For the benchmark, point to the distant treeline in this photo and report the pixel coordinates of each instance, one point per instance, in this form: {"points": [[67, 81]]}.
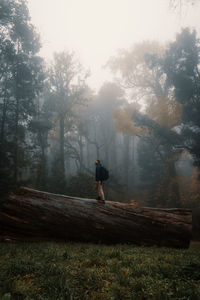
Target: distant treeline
{"points": [[144, 127]]}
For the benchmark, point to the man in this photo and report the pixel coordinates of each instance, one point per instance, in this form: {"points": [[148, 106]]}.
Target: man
{"points": [[98, 182]]}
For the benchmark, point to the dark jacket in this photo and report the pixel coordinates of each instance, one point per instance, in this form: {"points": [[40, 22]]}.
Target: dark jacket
{"points": [[98, 172]]}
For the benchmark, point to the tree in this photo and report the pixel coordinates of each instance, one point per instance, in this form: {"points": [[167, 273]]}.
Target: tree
{"points": [[178, 4], [181, 64], [21, 80], [142, 73], [48, 216], [166, 143], [40, 127], [67, 86], [99, 130], [124, 124]]}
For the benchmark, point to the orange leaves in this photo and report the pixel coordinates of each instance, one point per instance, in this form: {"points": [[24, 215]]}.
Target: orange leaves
{"points": [[126, 273], [142, 72], [165, 111], [123, 120]]}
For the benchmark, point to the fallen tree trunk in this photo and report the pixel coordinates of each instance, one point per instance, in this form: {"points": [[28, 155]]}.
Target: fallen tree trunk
{"points": [[32, 215]]}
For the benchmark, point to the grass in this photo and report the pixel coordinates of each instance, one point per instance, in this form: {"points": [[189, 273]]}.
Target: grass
{"points": [[85, 271]]}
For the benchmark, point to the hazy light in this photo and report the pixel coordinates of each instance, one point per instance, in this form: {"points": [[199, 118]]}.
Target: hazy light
{"points": [[96, 29]]}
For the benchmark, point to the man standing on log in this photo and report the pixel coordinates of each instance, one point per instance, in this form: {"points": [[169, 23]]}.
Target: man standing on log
{"points": [[98, 182]]}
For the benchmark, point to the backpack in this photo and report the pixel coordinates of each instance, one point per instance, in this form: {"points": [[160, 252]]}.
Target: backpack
{"points": [[104, 173]]}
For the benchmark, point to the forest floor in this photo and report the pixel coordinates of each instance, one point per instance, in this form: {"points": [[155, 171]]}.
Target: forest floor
{"points": [[86, 271]]}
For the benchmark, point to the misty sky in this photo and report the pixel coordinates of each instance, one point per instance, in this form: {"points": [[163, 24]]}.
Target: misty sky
{"points": [[96, 29]]}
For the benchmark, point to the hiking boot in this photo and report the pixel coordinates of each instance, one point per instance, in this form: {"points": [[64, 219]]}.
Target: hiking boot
{"points": [[100, 200]]}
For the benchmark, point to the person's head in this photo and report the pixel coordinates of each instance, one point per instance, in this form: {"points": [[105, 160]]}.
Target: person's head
{"points": [[97, 161]]}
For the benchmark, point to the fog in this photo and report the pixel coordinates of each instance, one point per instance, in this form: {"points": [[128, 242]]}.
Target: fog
{"points": [[111, 80], [96, 30]]}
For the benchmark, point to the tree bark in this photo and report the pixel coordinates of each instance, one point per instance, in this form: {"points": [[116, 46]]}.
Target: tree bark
{"points": [[16, 143], [4, 112], [126, 158], [62, 145], [32, 215], [81, 156], [2, 133], [17, 111]]}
